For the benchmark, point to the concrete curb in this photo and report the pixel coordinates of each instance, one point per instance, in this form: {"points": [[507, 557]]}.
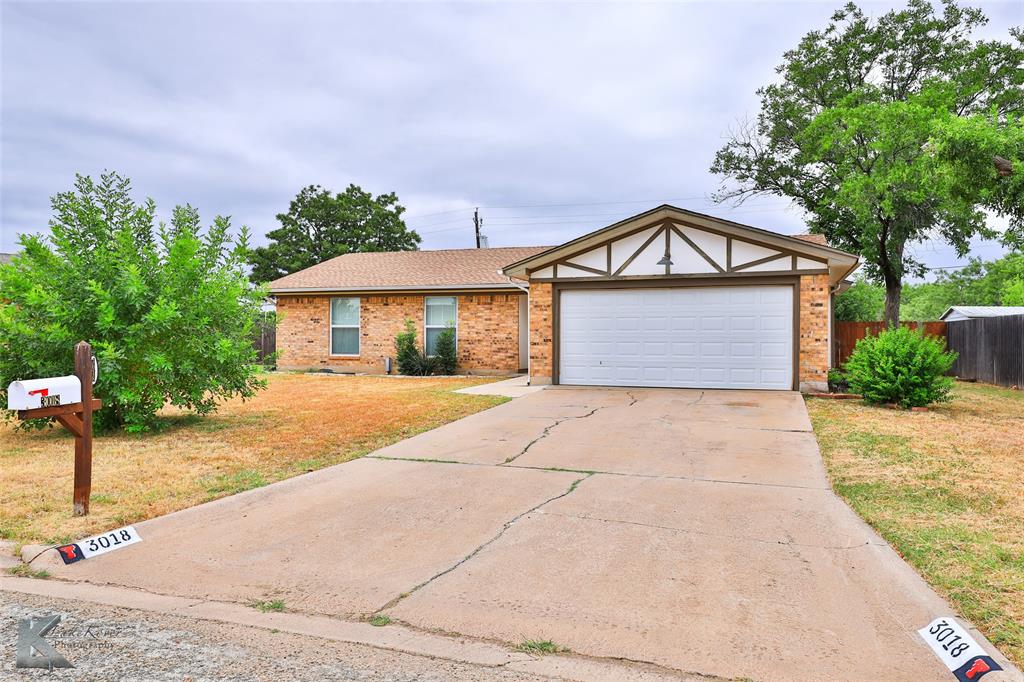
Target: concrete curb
{"points": [[391, 637]]}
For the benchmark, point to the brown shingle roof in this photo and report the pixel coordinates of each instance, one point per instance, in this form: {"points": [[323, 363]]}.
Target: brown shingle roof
{"points": [[812, 238], [409, 269]]}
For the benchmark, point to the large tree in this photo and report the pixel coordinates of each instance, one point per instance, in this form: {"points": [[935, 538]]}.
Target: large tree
{"points": [[320, 225], [888, 132], [167, 307]]}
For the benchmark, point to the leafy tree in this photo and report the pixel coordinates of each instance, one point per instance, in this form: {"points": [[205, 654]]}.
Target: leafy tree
{"points": [[862, 302], [983, 282], [1013, 292], [926, 301], [320, 225], [867, 131], [167, 308]]}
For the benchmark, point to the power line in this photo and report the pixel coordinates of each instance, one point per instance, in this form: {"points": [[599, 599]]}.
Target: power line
{"points": [[590, 203], [495, 222], [538, 219], [427, 215]]}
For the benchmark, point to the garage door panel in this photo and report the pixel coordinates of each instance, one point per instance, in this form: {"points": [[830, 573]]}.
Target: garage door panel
{"points": [[716, 337], [782, 295], [776, 323], [746, 375], [743, 323], [743, 349]]}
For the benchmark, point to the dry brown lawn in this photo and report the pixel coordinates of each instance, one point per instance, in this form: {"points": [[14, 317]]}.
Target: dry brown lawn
{"points": [[946, 489], [300, 423]]}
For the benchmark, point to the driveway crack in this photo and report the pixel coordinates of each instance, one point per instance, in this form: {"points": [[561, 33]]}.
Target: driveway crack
{"points": [[546, 432], [508, 524]]}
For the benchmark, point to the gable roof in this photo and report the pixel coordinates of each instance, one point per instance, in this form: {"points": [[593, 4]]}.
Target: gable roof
{"points": [[840, 263], [967, 312], [408, 270]]}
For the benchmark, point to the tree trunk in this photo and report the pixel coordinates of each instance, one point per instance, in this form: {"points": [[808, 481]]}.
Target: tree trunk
{"points": [[893, 288]]}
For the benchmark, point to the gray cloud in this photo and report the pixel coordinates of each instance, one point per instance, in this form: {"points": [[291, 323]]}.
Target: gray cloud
{"points": [[233, 106]]}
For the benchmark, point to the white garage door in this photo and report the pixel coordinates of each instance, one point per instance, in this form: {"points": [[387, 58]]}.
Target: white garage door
{"points": [[697, 337]]}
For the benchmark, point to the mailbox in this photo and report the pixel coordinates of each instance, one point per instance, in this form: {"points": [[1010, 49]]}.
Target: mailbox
{"points": [[53, 392]]}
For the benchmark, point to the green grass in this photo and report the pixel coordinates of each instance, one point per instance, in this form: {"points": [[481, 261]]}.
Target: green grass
{"points": [[380, 620], [238, 482], [943, 488], [276, 605], [26, 571], [541, 646]]}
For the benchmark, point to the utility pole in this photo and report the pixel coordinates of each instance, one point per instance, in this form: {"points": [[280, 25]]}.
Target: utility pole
{"points": [[476, 225]]}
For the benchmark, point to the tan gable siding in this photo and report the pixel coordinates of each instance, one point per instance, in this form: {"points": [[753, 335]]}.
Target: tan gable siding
{"points": [[488, 332]]}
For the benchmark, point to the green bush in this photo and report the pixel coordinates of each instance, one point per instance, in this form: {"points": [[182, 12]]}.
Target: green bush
{"points": [[901, 366], [446, 351], [167, 308], [407, 354], [410, 359]]}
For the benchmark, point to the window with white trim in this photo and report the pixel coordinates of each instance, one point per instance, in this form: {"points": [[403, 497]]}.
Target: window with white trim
{"points": [[440, 313], [345, 326]]}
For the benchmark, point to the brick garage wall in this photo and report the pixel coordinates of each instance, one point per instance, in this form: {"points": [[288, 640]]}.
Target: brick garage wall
{"points": [[814, 351], [541, 333], [488, 334]]}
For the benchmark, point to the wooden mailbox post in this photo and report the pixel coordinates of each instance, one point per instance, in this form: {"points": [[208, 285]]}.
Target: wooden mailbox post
{"points": [[77, 418]]}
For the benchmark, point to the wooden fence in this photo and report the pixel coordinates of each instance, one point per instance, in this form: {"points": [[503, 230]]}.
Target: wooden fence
{"points": [[991, 349], [845, 335], [265, 342]]}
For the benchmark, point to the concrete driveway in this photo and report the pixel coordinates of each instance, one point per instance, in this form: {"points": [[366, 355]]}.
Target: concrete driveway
{"points": [[694, 530]]}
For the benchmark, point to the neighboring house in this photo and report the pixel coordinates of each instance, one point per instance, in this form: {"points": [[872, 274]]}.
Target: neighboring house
{"points": [[666, 298], [971, 312], [6, 258]]}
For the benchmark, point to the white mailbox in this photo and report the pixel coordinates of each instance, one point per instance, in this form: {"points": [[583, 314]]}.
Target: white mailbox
{"points": [[53, 392]]}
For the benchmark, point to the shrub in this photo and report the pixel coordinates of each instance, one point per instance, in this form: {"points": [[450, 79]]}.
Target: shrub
{"points": [[411, 360], [837, 381], [407, 354], [446, 350], [168, 309], [901, 366]]}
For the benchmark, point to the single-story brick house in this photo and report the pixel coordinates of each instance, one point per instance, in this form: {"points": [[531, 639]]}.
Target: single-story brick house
{"points": [[668, 297]]}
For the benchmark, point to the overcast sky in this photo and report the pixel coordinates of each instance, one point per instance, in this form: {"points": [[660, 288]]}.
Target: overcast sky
{"points": [[555, 119]]}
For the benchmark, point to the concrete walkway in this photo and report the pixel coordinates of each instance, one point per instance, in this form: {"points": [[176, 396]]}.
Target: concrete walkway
{"points": [[516, 387], [691, 530]]}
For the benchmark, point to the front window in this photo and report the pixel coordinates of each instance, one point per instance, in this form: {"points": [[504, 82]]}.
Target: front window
{"points": [[344, 326], [440, 314]]}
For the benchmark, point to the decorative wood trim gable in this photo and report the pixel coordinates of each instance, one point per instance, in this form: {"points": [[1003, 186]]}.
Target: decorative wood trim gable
{"points": [[599, 262]]}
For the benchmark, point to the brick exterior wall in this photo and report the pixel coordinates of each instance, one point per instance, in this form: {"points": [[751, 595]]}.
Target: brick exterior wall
{"points": [[488, 332], [814, 336], [541, 333]]}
